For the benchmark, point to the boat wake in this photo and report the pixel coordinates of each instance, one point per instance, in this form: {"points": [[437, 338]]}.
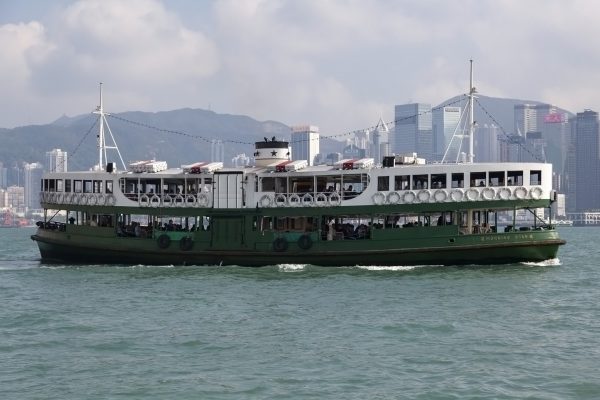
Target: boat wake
{"points": [[546, 263], [393, 267], [291, 267]]}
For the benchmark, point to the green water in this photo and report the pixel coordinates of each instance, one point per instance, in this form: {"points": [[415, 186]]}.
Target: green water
{"points": [[300, 332]]}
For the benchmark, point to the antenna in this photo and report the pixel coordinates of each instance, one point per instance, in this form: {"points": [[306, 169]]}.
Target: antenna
{"points": [[461, 130], [102, 147]]}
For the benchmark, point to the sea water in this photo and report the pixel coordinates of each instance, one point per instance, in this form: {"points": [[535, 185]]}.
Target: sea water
{"points": [[527, 330]]}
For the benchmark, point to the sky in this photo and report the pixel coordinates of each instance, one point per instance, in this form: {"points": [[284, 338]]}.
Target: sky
{"points": [[337, 64]]}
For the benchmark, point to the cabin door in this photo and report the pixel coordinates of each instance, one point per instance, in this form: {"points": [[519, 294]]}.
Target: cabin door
{"points": [[228, 191], [227, 233]]}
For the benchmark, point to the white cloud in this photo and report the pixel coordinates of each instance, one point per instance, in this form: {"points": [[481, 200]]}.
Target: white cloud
{"points": [[336, 64]]}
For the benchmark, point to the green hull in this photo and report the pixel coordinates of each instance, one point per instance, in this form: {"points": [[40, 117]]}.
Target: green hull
{"points": [[495, 248]]}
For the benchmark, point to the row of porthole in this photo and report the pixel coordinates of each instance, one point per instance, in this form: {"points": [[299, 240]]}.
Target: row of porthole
{"points": [[456, 195], [92, 199]]}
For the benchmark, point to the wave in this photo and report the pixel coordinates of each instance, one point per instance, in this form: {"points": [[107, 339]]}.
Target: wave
{"points": [[546, 263]]}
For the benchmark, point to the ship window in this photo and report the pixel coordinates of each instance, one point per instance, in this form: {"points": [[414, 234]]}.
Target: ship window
{"points": [[358, 182], [78, 186], [458, 180], [299, 185], [97, 186], [68, 185], [59, 185], [45, 185], [438, 181], [326, 183], [87, 186], [514, 178], [268, 184], [109, 186], [402, 182], [420, 182], [477, 179], [496, 178], [535, 177], [383, 183]]}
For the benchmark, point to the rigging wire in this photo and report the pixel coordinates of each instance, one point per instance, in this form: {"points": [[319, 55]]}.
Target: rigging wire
{"points": [[331, 137], [80, 142]]}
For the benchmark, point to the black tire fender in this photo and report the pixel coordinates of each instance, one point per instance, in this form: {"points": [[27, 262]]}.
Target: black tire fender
{"points": [[163, 241]]}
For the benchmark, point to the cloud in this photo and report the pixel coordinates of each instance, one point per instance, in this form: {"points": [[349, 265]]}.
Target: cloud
{"points": [[138, 47], [335, 64]]}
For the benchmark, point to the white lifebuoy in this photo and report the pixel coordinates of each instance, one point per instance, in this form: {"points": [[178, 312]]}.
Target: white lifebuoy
{"points": [[76, 199], [179, 201], [488, 193], [393, 198], [144, 200], [59, 198], [378, 198], [167, 201], [457, 194], [320, 199], [334, 199], [83, 199], [294, 200], [190, 200], [155, 201], [504, 193], [440, 195], [110, 200], [92, 200], [307, 200], [408, 197], [536, 193], [203, 200], [265, 201], [281, 200], [472, 194], [101, 199], [424, 196], [520, 193]]}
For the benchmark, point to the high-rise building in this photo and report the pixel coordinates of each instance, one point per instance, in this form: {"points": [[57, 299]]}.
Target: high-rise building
{"points": [[15, 198], [587, 163], [56, 161], [445, 123], [305, 143], [217, 151], [3, 176], [413, 130], [486, 143], [32, 175], [380, 147]]}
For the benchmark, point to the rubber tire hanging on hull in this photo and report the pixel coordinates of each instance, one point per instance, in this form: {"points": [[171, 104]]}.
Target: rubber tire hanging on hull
{"points": [[186, 243], [305, 242], [280, 244], [163, 241]]}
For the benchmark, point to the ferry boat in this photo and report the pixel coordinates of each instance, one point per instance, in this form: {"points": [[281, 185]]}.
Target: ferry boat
{"points": [[355, 212]]}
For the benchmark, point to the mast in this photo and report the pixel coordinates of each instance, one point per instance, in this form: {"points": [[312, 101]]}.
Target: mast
{"points": [[102, 147], [101, 141], [471, 96]]}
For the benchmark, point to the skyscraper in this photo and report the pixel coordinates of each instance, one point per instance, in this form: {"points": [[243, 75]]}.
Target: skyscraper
{"points": [[217, 151], [413, 130], [305, 143], [380, 147], [587, 163], [31, 181], [56, 161], [445, 123]]}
